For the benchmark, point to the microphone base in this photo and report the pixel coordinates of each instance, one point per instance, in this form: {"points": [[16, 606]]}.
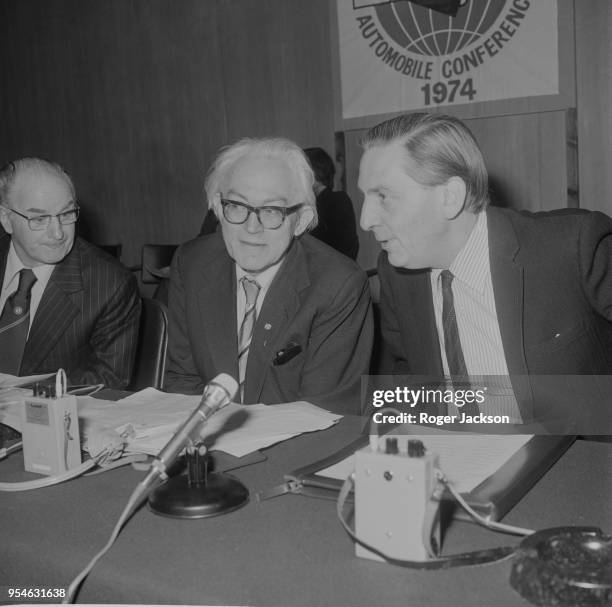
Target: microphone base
{"points": [[217, 494]]}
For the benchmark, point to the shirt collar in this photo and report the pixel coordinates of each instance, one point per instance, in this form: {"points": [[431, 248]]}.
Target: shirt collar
{"points": [[470, 265], [264, 279], [14, 265]]}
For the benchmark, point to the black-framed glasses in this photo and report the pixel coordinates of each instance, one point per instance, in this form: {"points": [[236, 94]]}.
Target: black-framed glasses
{"points": [[270, 217], [41, 222]]}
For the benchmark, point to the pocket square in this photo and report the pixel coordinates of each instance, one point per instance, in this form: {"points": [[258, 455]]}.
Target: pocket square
{"points": [[284, 355]]}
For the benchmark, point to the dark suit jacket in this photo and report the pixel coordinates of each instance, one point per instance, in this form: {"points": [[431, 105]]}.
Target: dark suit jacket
{"points": [[319, 299], [552, 281], [337, 226], [87, 319]]}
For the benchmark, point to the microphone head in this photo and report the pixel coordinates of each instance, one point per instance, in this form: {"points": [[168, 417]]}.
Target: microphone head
{"points": [[227, 382]]}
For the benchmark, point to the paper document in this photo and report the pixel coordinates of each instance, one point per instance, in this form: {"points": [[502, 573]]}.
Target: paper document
{"points": [[149, 418], [466, 459], [12, 381]]}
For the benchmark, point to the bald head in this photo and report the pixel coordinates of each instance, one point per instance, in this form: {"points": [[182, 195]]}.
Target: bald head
{"points": [[32, 190], [33, 169]]}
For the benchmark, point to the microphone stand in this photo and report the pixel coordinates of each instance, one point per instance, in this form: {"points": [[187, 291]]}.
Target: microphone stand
{"points": [[199, 493]]}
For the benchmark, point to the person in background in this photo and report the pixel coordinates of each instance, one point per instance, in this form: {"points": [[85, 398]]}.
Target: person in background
{"points": [[64, 302], [259, 299], [336, 225]]}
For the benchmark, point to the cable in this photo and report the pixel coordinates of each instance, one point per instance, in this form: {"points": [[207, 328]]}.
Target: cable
{"points": [[86, 390], [477, 517], [49, 480], [6, 451], [139, 493]]}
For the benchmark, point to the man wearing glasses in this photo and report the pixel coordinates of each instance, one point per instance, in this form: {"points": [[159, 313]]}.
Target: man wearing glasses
{"points": [[286, 315], [63, 302]]}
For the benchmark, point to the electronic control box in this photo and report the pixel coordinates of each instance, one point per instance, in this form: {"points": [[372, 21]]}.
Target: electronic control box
{"points": [[397, 500], [50, 434]]}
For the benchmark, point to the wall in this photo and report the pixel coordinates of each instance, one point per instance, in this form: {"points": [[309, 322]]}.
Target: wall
{"points": [[594, 93], [134, 97]]}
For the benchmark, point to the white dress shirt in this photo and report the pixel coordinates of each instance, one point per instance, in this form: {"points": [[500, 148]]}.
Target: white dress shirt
{"points": [[264, 279], [477, 319]]}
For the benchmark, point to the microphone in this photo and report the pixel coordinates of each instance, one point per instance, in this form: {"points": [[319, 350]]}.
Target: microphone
{"points": [[217, 393]]}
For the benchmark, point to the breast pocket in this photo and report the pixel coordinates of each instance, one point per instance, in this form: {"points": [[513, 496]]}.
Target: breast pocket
{"points": [[287, 375], [572, 350]]}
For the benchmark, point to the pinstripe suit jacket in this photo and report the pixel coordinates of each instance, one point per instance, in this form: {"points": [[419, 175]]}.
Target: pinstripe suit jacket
{"points": [[87, 320]]}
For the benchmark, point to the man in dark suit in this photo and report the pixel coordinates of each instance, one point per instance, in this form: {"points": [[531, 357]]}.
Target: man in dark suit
{"points": [[286, 315], [74, 306], [471, 290], [336, 225]]}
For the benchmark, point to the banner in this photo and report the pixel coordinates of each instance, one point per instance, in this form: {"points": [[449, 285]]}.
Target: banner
{"points": [[398, 56]]}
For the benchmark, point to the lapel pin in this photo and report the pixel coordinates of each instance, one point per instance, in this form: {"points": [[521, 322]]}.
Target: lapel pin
{"points": [[267, 326]]}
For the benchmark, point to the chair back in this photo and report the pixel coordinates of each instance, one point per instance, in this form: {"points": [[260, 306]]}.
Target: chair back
{"points": [[150, 363], [112, 249], [155, 257]]}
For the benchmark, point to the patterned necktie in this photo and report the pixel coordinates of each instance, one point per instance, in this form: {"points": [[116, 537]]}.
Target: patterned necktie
{"points": [[14, 324], [251, 290], [452, 344]]}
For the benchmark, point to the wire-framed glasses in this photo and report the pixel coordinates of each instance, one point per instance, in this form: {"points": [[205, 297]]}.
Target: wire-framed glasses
{"points": [[270, 217], [41, 222]]}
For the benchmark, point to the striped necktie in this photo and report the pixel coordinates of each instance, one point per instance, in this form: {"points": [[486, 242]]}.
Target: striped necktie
{"points": [[251, 290], [14, 324], [452, 343]]}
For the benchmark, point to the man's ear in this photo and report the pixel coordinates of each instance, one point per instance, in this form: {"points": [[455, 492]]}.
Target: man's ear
{"points": [[5, 221], [454, 191], [305, 216]]}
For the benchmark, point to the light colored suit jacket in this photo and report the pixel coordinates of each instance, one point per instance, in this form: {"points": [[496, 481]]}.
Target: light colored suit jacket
{"points": [[319, 300]]}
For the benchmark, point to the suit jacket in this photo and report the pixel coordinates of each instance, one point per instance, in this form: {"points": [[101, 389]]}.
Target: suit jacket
{"points": [[337, 226], [87, 319], [319, 299], [552, 282]]}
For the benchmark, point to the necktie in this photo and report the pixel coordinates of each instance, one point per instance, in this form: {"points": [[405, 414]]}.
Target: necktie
{"points": [[251, 290], [14, 324], [452, 344]]}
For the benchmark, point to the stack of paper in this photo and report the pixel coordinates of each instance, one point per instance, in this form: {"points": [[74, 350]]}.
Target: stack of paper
{"points": [[12, 381], [149, 418]]}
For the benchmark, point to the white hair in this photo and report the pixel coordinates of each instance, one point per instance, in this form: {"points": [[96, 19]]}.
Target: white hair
{"points": [[273, 147]]}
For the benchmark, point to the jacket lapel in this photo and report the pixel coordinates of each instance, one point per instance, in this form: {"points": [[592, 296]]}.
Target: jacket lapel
{"points": [[418, 325], [5, 243], [508, 285], [216, 296], [56, 311], [280, 306]]}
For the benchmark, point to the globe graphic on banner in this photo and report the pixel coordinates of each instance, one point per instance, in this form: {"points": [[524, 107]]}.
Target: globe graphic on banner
{"points": [[422, 31]]}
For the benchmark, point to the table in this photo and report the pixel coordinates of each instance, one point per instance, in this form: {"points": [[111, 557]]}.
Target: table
{"points": [[286, 551]]}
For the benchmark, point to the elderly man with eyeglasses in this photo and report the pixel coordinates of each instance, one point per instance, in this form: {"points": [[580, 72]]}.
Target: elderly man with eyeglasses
{"points": [[63, 302], [285, 314]]}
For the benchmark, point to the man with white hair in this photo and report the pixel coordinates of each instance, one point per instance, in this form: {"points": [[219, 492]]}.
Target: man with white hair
{"points": [[286, 315], [63, 302]]}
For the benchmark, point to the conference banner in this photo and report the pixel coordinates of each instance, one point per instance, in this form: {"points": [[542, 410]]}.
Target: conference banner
{"points": [[402, 55]]}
